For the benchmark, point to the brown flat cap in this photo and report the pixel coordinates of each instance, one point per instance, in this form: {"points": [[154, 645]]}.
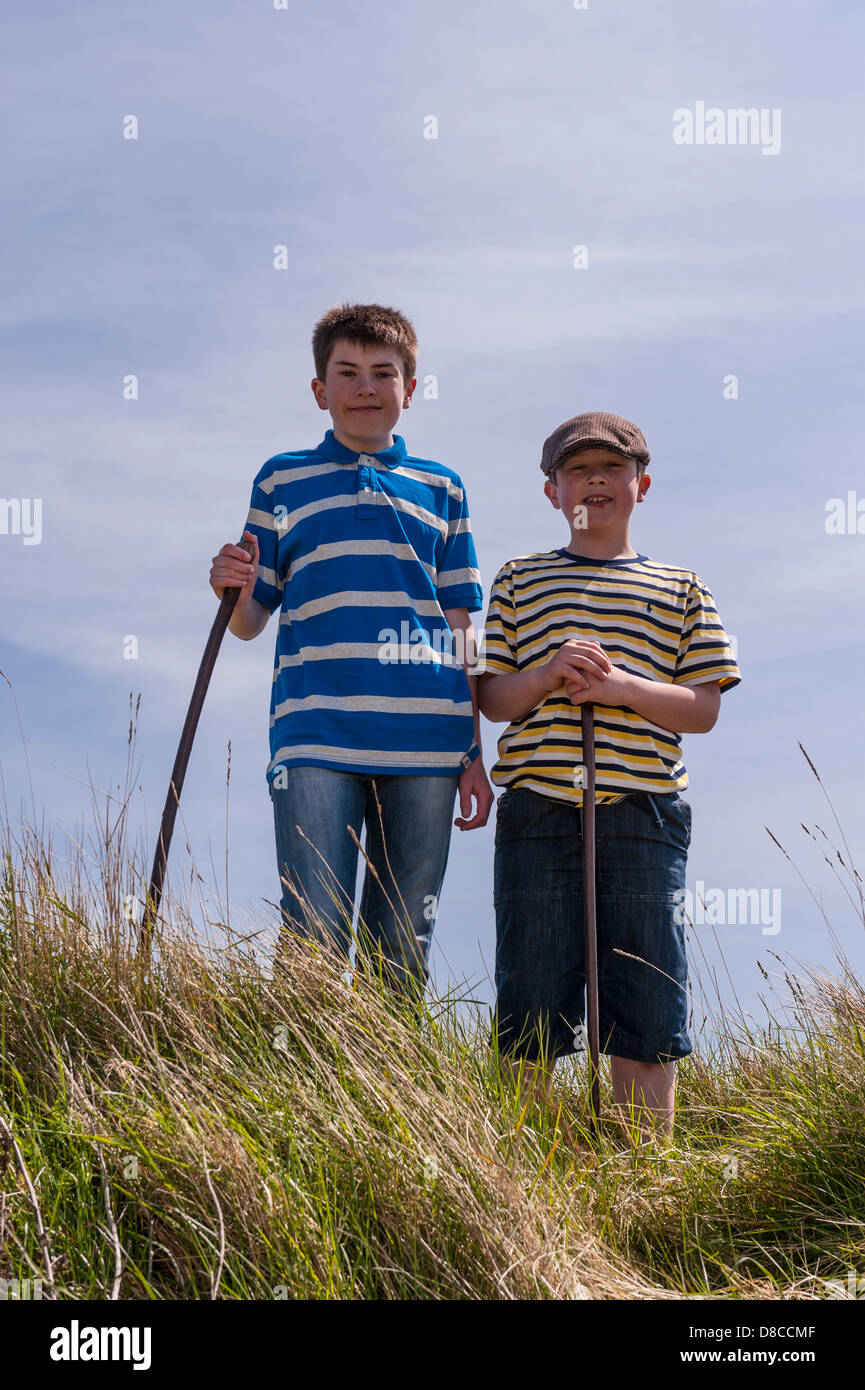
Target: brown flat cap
{"points": [[595, 430]]}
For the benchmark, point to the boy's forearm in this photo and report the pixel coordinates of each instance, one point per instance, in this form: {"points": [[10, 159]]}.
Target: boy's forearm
{"points": [[473, 687], [508, 699], [680, 709], [248, 619]]}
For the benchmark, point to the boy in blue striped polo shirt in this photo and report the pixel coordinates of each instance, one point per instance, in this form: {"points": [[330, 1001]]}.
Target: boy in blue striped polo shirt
{"points": [[642, 641], [368, 554]]}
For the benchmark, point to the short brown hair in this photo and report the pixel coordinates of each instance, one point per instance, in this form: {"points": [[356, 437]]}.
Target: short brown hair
{"points": [[368, 325]]}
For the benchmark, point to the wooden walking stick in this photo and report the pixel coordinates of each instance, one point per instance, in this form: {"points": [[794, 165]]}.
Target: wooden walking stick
{"points": [[589, 908], [202, 681]]}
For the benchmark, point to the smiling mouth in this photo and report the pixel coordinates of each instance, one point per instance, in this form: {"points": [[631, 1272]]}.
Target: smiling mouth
{"points": [[596, 499]]}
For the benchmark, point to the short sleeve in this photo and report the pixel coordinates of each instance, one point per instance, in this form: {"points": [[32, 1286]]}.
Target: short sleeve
{"points": [[705, 650], [458, 579], [497, 652], [262, 522]]}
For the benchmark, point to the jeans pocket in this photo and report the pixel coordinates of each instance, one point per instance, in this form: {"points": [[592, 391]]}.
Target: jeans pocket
{"points": [[509, 821], [668, 815], [677, 821]]}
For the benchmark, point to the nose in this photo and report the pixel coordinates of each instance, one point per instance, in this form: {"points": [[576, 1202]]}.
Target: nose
{"points": [[364, 386]]}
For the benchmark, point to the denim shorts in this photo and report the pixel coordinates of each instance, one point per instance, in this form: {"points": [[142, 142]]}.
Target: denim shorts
{"points": [[641, 850]]}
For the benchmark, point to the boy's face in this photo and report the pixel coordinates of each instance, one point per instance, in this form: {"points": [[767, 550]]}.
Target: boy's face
{"points": [[365, 393], [597, 489]]}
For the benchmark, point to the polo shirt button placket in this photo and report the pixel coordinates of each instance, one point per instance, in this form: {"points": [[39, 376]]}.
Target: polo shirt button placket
{"points": [[366, 495]]}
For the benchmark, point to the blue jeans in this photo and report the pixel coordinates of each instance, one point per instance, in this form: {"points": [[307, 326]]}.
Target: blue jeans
{"points": [[408, 849], [641, 851]]}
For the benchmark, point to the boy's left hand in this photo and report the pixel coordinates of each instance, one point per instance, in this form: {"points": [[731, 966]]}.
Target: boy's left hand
{"points": [[473, 782], [614, 689]]}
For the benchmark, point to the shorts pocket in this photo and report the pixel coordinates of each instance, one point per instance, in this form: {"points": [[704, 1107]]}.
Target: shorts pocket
{"points": [[504, 807]]}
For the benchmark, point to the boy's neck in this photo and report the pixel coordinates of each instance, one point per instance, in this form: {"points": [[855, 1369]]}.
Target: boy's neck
{"points": [[601, 547], [362, 446]]}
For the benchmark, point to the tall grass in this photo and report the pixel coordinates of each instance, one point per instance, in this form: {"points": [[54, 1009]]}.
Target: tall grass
{"points": [[199, 1126]]}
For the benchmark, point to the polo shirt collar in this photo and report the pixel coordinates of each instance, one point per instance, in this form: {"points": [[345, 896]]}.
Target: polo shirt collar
{"points": [[331, 449]]}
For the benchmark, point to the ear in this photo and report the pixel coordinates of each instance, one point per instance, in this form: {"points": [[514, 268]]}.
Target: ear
{"points": [[643, 486], [553, 493], [320, 393], [409, 392]]}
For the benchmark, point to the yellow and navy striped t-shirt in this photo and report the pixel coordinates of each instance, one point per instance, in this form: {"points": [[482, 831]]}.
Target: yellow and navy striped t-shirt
{"points": [[655, 620]]}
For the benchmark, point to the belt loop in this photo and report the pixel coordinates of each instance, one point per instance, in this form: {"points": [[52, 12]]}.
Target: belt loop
{"points": [[659, 819], [580, 815]]}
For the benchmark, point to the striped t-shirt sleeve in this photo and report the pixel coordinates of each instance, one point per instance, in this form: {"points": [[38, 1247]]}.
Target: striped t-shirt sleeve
{"points": [[261, 521], [498, 652], [705, 653], [458, 580]]}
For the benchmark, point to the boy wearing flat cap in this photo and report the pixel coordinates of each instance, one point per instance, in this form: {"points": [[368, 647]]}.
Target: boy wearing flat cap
{"points": [[597, 621]]}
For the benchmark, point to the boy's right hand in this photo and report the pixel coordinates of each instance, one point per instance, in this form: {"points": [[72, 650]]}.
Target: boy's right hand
{"points": [[233, 569], [572, 659]]}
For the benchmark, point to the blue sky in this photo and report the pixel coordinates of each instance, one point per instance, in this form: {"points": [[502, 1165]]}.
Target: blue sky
{"points": [[305, 128]]}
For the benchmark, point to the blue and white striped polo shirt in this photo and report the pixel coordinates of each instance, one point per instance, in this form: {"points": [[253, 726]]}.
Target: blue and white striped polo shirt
{"points": [[361, 553]]}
